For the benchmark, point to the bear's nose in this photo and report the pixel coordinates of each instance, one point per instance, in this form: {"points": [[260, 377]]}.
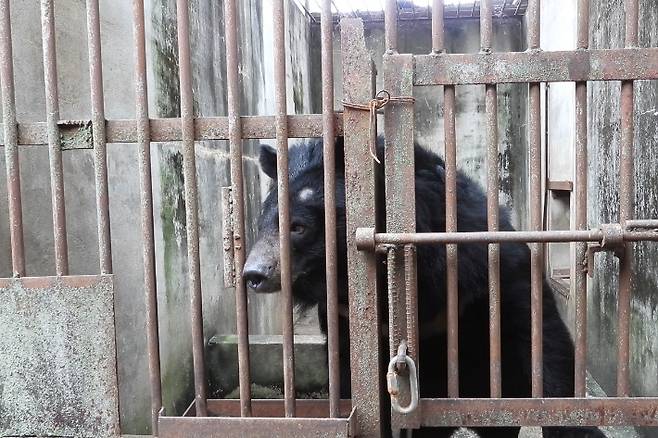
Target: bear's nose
{"points": [[255, 276]]}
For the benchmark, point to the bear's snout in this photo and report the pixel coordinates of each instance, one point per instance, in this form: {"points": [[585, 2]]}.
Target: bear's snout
{"points": [[261, 270]]}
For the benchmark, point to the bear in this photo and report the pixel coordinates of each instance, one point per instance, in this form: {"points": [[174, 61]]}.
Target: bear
{"points": [[262, 275]]}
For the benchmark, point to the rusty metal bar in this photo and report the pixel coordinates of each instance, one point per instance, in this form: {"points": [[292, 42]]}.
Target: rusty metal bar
{"points": [[331, 252], [284, 204], [361, 209], [256, 427], [237, 191], [391, 26], [367, 240], [191, 204], [626, 209], [305, 408], [54, 143], [588, 411], [536, 249], [486, 26], [11, 135], [580, 277], [169, 130], [437, 27], [493, 189], [537, 66], [146, 200], [452, 304], [99, 139], [400, 212]]}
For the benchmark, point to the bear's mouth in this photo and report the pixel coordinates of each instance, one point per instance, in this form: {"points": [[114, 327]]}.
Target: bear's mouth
{"points": [[266, 286]]}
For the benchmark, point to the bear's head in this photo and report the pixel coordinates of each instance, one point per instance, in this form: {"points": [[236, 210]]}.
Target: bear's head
{"points": [[262, 269]]}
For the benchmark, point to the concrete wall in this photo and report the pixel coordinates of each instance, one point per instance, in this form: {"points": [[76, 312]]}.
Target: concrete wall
{"points": [[209, 71], [462, 36], [607, 31]]}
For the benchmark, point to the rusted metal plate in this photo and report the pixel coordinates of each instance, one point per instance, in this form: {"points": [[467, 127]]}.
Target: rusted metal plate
{"points": [[400, 216], [360, 210], [537, 66], [540, 412], [57, 357], [164, 130], [305, 408], [255, 427]]}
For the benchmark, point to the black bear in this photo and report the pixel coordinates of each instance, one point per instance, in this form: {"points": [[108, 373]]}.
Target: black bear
{"points": [[262, 274]]}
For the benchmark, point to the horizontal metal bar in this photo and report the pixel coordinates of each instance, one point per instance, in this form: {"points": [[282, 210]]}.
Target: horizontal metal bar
{"points": [[74, 281], [305, 408], [536, 66], [238, 427], [205, 128], [640, 411], [367, 240]]}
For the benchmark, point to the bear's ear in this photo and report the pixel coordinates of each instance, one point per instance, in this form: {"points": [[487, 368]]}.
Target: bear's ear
{"points": [[340, 153], [267, 160]]}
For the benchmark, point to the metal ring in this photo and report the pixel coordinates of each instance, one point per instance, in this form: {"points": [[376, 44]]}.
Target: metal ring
{"points": [[393, 387]]}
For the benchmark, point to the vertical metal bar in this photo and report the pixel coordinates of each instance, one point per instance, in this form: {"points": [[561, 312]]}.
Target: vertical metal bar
{"points": [[333, 348], [284, 204], [626, 208], [580, 277], [437, 26], [401, 210], [493, 189], [391, 26], [98, 127], [191, 205], [146, 197], [54, 144], [361, 209], [486, 25], [536, 249], [11, 142], [451, 249], [237, 189]]}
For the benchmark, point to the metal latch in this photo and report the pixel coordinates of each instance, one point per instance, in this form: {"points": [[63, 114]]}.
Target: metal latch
{"points": [[227, 237], [613, 240], [399, 364]]}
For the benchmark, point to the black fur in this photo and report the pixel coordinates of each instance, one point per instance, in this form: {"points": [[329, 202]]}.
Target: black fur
{"points": [[308, 258]]}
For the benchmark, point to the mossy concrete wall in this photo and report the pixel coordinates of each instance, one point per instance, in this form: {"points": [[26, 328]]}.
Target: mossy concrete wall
{"points": [[604, 135], [209, 79]]}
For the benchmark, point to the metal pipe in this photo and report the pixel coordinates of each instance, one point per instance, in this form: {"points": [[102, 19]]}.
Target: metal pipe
{"points": [[493, 189], [237, 189], [284, 205], [536, 249], [626, 209], [597, 235], [580, 277], [54, 143], [333, 347], [391, 26], [146, 198], [486, 25], [99, 139], [451, 249], [191, 205], [10, 129], [437, 27]]}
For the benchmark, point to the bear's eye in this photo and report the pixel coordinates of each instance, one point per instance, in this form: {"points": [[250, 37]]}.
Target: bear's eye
{"points": [[297, 228]]}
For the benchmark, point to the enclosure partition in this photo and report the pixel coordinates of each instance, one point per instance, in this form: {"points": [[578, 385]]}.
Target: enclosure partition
{"points": [[366, 413], [489, 69]]}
